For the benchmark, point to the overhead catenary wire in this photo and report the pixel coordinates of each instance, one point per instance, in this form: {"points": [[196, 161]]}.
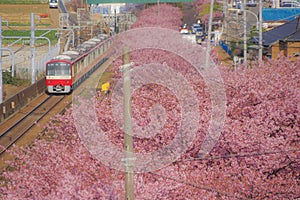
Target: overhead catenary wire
{"points": [[239, 155], [213, 190]]}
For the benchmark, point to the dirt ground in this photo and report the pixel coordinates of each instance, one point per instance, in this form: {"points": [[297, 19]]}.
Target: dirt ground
{"points": [[44, 16], [20, 14], [223, 57]]}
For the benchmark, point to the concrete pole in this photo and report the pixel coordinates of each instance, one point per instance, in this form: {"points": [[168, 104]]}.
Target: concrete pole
{"points": [[276, 3], [32, 48], [128, 140], [208, 47], [224, 26], [115, 21], [158, 7], [260, 46], [1, 82], [245, 31], [12, 59]]}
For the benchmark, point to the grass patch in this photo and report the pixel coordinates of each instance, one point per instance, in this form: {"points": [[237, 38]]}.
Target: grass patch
{"points": [[22, 24], [106, 77], [23, 2], [8, 79], [51, 35]]}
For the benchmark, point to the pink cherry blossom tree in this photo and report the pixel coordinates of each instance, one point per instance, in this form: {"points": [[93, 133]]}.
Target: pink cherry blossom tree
{"points": [[256, 156], [203, 7]]}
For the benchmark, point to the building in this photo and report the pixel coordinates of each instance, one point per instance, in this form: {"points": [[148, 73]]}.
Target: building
{"points": [[273, 17], [284, 39]]}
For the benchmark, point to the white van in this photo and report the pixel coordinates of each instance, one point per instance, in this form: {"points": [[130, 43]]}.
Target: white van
{"points": [[53, 3]]}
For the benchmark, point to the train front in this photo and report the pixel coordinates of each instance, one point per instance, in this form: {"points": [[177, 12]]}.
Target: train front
{"points": [[58, 77]]}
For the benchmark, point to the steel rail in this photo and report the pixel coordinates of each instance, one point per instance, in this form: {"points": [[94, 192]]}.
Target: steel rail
{"points": [[25, 116], [18, 122], [15, 125]]}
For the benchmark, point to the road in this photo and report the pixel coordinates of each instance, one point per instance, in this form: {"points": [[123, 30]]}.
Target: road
{"points": [[235, 27], [189, 14]]}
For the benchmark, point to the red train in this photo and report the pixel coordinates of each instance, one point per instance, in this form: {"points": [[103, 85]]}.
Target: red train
{"points": [[64, 71]]}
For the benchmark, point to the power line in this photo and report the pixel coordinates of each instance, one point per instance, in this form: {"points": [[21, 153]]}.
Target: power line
{"points": [[238, 155], [218, 192]]}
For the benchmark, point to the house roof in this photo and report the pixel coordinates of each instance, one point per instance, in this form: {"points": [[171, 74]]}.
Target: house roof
{"points": [[280, 14], [294, 37], [289, 31]]}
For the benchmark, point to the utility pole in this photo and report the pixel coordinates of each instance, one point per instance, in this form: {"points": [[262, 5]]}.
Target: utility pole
{"points": [[276, 3], [32, 48], [116, 21], [79, 15], [208, 47], [225, 8], [128, 140], [1, 83], [245, 30], [158, 7], [260, 45]]}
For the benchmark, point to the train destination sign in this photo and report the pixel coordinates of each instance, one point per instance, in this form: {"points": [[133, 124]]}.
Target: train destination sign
{"points": [[135, 1]]}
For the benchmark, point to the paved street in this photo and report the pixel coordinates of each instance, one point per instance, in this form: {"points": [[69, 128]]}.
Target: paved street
{"points": [[236, 25]]}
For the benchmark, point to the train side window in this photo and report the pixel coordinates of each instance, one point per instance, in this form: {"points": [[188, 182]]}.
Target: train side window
{"points": [[75, 67], [81, 64]]}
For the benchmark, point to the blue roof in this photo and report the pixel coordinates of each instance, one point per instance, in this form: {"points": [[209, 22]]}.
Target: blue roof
{"points": [[280, 14], [294, 37]]}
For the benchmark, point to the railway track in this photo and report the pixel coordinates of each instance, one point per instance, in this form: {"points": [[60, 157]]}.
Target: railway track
{"points": [[25, 123]]}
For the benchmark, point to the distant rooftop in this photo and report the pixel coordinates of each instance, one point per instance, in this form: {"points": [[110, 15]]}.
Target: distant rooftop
{"points": [[289, 31], [280, 14]]}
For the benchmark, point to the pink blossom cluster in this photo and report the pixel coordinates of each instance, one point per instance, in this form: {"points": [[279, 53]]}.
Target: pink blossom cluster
{"points": [[202, 4], [216, 15], [256, 157], [162, 15], [56, 167]]}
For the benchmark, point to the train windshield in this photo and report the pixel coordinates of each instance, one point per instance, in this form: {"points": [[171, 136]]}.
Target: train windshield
{"points": [[58, 69]]}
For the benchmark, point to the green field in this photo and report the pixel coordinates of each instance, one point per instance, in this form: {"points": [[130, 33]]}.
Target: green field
{"points": [[23, 24], [23, 1], [51, 35]]}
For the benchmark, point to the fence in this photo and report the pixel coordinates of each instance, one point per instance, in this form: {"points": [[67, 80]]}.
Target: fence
{"points": [[23, 69], [225, 47], [15, 103]]}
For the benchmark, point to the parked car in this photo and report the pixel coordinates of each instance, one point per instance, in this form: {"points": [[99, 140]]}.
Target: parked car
{"points": [[53, 3], [292, 4], [197, 28], [184, 29], [251, 3]]}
